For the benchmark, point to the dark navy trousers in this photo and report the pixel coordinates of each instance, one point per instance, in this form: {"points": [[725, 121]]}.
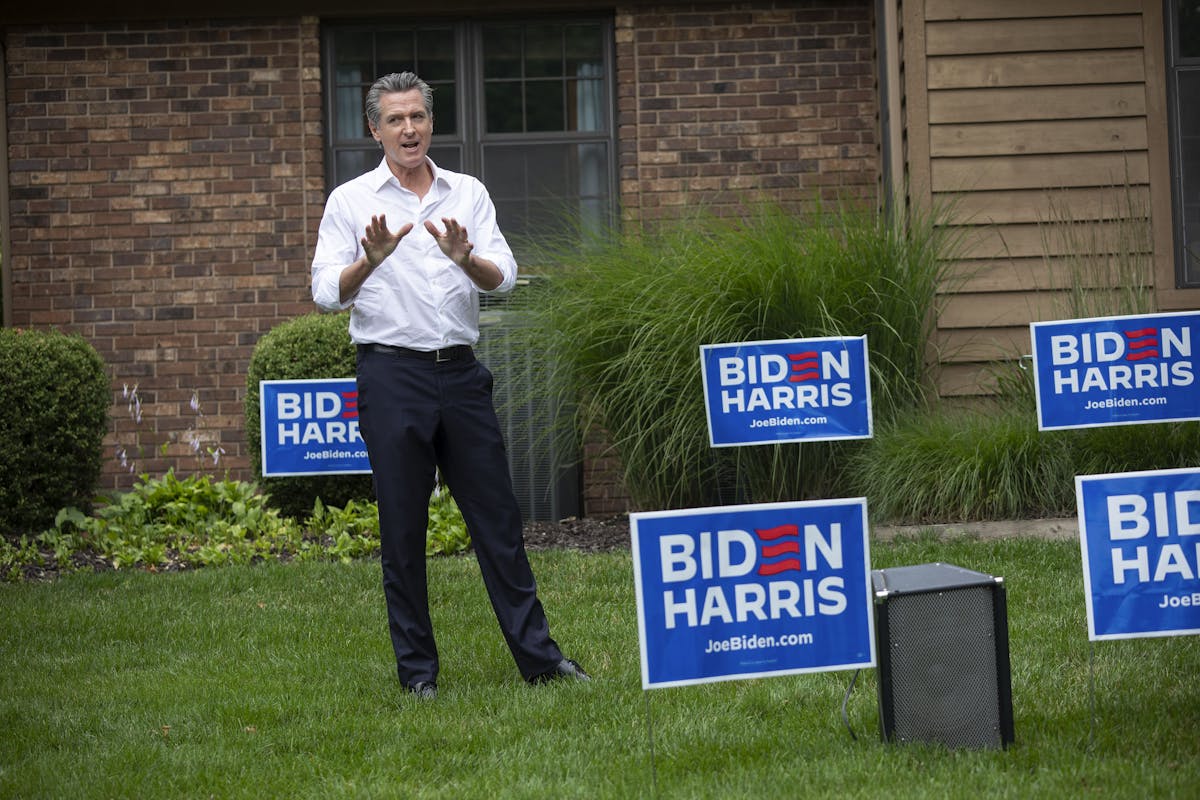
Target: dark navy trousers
{"points": [[416, 415]]}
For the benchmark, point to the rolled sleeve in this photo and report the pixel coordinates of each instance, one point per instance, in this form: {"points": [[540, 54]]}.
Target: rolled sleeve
{"points": [[337, 247], [490, 242]]}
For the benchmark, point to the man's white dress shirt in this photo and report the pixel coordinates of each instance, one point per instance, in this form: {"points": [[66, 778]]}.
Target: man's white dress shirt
{"points": [[417, 298]]}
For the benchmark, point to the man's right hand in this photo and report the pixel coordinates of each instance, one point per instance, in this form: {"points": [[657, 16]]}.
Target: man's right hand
{"points": [[379, 243]]}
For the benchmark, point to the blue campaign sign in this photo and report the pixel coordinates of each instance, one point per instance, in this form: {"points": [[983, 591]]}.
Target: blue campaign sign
{"points": [[787, 391], [749, 591], [1140, 537], [1116, 370], [310, 427]]}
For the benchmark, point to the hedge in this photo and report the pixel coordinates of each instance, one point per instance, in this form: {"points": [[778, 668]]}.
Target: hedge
{"points": [[56, 397], [312, 346]]}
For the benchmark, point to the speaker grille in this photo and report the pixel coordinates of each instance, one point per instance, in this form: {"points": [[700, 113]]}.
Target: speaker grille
{"points": [[944, 646]]}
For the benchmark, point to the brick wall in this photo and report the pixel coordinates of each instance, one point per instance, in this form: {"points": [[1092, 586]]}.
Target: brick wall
{"points": [[165, 184], [166, 180], [721, 102]]}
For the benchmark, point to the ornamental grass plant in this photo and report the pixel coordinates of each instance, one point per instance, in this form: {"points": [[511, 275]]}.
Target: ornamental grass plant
{"points": [[988, 460], [622, 317]]}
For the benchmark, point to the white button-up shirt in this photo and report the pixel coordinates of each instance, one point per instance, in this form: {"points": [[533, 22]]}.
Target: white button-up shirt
{"points": [[417, 298]]}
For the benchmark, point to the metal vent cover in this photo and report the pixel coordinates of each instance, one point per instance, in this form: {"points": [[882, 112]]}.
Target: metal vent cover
{"points": [[542, 463]]}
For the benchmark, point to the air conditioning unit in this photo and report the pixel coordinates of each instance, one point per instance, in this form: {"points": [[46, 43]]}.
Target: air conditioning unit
{"points": [[541, 455]]}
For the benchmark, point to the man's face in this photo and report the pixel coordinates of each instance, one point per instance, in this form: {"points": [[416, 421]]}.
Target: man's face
{"points": [[405, 128]]}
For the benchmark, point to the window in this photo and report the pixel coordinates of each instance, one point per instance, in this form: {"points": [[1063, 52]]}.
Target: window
{"points": [[356, 57], [525, 106], [1183, 87]]}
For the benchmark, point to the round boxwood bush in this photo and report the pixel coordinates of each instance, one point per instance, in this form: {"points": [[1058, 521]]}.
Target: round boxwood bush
{"points": [[55, 395], [313, 346]]}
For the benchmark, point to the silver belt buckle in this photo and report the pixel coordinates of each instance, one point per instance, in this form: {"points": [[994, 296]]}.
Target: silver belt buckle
{"points": [[437, 358]]}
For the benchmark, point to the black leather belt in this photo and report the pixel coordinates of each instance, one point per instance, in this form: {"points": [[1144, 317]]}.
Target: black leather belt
{"points": [[459, 352]]}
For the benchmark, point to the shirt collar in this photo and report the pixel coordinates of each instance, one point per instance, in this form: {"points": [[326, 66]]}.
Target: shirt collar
{"points": [[383, 173]]}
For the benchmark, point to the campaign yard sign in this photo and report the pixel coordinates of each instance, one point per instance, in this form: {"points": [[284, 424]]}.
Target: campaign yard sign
{"points": [[310, 427], [787, 391], [1140, 537], [1116, 370], [749, 591]]}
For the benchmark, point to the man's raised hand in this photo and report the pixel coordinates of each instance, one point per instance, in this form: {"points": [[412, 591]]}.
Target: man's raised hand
{"points": [[379, 243]]}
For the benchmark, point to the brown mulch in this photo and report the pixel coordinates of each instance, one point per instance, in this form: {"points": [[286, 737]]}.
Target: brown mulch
{"points": [[590, 535]]}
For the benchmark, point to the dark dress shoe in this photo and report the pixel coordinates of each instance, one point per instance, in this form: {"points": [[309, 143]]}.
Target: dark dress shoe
{"points": [[426, 690], [566, 668]]}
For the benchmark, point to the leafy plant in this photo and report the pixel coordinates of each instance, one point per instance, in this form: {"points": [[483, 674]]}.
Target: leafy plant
{"points": [[349, 532], [180, 523], [447, 530], [169, 522]]}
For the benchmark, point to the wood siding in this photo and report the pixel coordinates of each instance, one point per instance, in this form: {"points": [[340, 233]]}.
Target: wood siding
{"points": [[1020, 117]]}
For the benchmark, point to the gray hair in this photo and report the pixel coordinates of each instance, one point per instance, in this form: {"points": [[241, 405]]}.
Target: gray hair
{"points": [[396, 82]]}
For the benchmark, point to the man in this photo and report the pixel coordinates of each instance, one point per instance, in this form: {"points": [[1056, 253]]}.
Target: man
{"points": [[424, 402]]}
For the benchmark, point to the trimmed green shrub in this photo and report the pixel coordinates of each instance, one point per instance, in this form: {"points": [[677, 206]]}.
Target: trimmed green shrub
{"points": [[55, 395], [313, 346]]}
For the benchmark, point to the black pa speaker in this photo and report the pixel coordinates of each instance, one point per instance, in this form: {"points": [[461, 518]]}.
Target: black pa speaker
{"points": [[942, 648]]}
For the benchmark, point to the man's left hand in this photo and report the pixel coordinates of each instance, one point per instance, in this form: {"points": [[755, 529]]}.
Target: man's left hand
{"points": [[453, 242]]}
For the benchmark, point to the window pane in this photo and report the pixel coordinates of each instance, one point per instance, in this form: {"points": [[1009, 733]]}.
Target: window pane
{"points": [[447, 156], [550, 52], [543, 51], [351, 121], [584, 50], [504, 108], [585, 105], [1188, 28], [510, 215], [501, 52], [396, 53], [445, 110], [506, 177], [592, 170], [435, 48], [352, 163], [354, 57], [544, 106], [545, 189]]}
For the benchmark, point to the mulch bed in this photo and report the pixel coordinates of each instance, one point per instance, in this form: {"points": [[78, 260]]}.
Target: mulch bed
{"points": [[586, 534]]}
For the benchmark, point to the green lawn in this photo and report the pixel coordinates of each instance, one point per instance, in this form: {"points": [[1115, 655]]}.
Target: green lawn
{"points": [[277, 681]]}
